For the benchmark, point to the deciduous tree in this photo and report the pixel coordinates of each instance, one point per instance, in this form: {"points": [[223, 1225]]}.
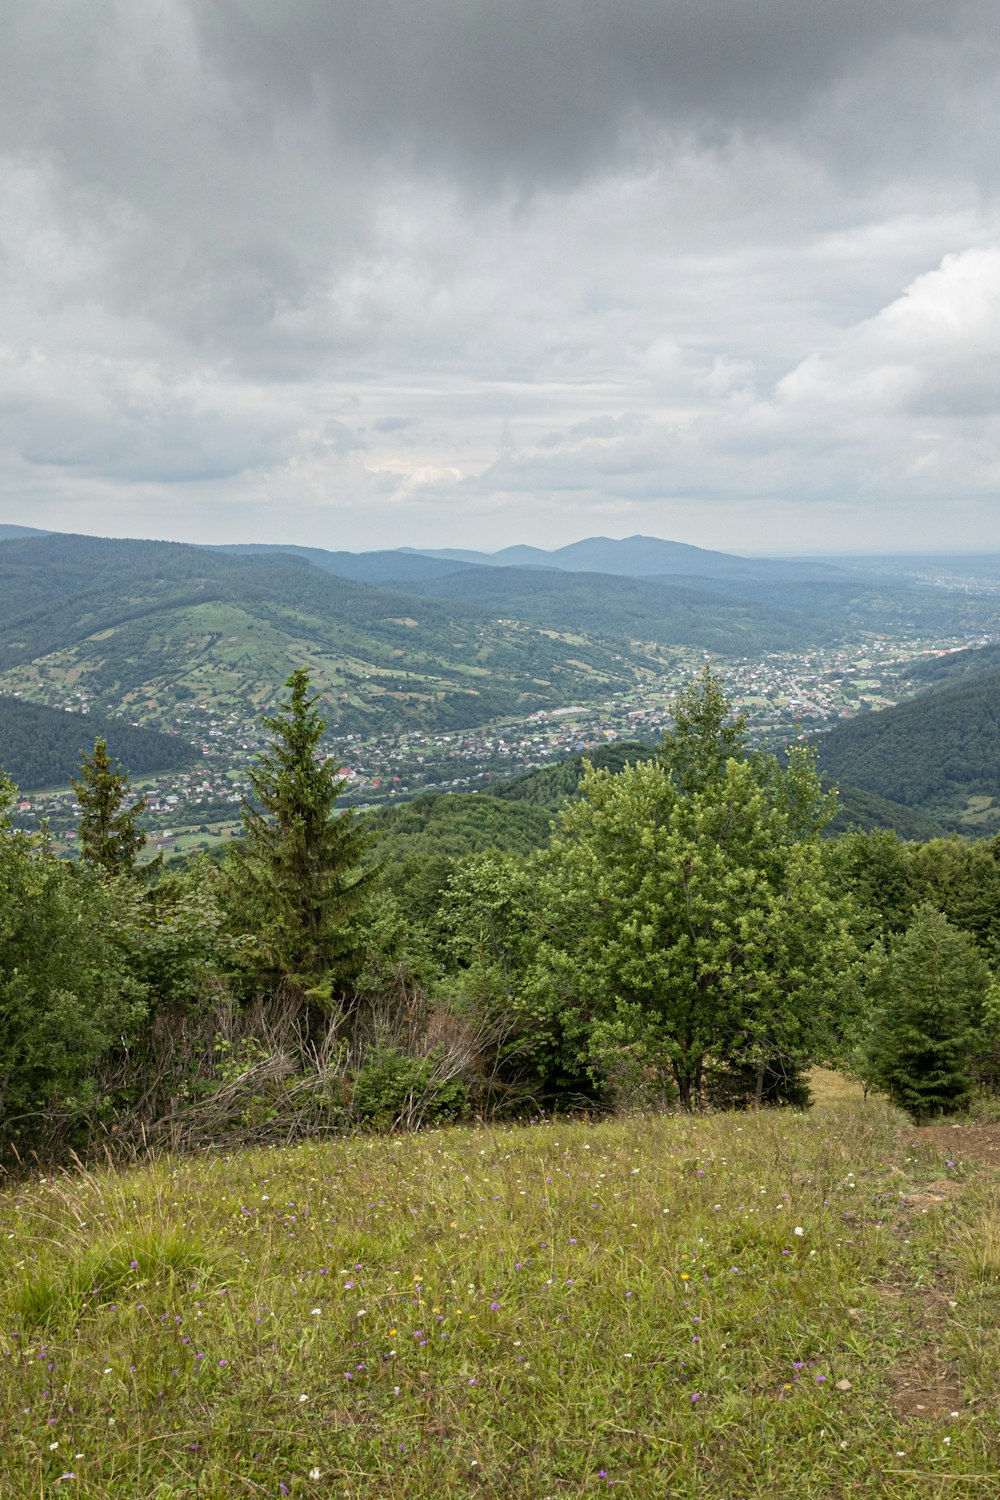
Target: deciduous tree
{"points": [[689, 898]]}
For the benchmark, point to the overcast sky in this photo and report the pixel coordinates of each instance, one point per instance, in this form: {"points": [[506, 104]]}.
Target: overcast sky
{"points": [[367, 273]]}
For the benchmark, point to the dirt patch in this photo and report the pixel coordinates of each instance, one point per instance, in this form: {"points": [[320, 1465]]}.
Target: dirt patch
{"points": [[932, 1194], [957, 1143], [926, 1388], [926, 1384]]}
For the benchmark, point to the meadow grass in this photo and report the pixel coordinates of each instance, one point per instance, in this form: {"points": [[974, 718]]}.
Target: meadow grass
{"points": [[733, 1306]]}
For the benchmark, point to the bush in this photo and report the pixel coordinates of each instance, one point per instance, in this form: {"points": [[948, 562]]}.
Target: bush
{"points": [[65, 995], [393, 1089]]}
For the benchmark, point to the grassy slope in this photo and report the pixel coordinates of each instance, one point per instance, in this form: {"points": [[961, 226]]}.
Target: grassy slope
{"points": [[659, 1306]]}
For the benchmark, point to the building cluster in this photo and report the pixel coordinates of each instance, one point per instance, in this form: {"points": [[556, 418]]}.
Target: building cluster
{"points": [[781, 695]]}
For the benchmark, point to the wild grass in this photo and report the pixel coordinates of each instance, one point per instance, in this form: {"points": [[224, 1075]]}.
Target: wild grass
{"points": [[725, 1307]]}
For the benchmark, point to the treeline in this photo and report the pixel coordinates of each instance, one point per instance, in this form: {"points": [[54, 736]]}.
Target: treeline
{"points": [[686, 937], [40, 747]]}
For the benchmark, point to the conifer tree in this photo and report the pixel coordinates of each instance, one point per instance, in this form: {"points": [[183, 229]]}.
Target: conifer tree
{"points": [[937, 985], [298, 869], [110, 840]]}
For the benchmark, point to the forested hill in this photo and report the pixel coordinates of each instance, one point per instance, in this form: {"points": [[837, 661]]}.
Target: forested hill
{"points": [[138, 626], [550, 786], [933, 753], [632, 609], [40, 747], [939, 671], [858, 809]]}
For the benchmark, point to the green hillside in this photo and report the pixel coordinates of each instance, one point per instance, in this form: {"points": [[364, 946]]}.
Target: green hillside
{"points": [[139, 626], [938, 671], [550, 786], [858, 809], [937, 753], [40, 747], [454, 824]]}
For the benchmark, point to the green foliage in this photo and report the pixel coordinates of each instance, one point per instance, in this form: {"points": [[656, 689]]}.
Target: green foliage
{"points": [[552, 786], [297, 879], [962, 880], [110, 842], [491, 919], [890, 879], [420, 843], [174, 936], [393, 1088], [454, 825], [936, 988], [65, 993], [874, 869], [705, 736], [687, 900]]}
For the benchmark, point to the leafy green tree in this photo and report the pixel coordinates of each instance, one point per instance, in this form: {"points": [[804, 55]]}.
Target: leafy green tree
{"points": [[874, 868], [705, 736], [938, 983], [689, 899], [491, 921], [66, 996], [298, 884], [110, 841]]}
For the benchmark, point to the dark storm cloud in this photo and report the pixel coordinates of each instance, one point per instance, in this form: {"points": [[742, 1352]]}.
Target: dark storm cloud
{"points": [[535, 90]]}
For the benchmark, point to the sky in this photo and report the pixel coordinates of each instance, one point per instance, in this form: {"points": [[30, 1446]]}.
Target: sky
{"points": [[369, 273]]}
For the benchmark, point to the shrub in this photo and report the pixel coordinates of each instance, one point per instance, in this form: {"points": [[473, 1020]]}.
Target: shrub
{"points": [[393, 1089]]}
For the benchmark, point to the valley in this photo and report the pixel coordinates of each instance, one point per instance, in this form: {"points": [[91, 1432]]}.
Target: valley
{"points": [[781, 695], [451, 674]]}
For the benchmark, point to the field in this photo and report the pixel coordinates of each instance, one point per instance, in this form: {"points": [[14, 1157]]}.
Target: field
{"points": [[773, 1305]]}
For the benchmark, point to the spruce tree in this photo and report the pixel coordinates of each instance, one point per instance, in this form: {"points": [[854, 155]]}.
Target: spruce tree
{"points": [[110, 841], [937, 984], [298, 873]]}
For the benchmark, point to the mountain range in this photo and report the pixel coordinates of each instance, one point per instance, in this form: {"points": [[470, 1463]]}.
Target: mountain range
{"points": [[639, 557]]}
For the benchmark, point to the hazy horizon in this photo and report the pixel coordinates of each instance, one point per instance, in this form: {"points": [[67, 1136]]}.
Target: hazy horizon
{"points": [[900, 552]]}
